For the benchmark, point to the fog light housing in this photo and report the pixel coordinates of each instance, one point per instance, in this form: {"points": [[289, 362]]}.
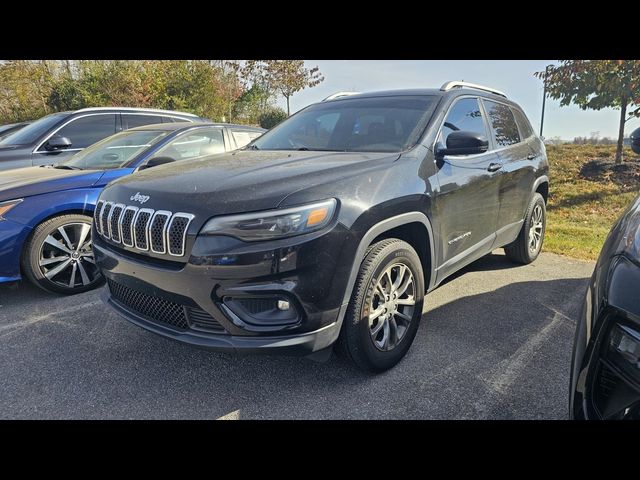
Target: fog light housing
{"points": [[263, 311], [624, 345]]}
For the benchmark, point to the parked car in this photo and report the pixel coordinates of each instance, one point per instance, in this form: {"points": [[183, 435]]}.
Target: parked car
{"points": [[605, 370], [9, 128], [58, 136], [46, 212], [332, 225]]}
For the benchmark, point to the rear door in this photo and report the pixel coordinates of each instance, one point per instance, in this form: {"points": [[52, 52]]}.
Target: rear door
{"points": [[517, 173], [467, 202]]}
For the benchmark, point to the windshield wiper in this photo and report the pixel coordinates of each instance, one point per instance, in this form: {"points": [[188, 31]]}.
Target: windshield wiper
{"points": [[65, 167]]}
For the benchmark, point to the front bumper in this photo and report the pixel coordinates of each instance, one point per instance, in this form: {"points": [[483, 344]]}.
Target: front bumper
{"points": [[296, 271], [599, 388], [12, 238]]}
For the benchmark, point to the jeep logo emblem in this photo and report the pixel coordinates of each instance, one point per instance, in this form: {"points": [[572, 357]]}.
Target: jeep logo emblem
{"points": [[139, 198]]}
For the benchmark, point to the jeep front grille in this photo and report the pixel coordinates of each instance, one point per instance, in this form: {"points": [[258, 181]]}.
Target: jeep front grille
{"points": [[144, 229]]}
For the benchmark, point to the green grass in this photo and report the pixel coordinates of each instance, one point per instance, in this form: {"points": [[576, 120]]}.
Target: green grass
{"points": [[581, 211]]}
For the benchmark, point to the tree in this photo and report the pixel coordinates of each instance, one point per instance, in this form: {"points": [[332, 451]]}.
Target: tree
{"points": [[272, 117], [284, 76], [597, 84]]}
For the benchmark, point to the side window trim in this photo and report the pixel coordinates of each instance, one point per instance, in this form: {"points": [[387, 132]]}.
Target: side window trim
{"points": [[151, 114], [498, 148], [485, 121], [46, 139]]}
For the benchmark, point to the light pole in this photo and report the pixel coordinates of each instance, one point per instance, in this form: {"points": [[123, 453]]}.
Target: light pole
{"points": [[544, 97]]}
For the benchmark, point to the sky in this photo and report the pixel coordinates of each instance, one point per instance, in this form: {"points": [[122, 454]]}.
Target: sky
{"points": [[514, 77]]}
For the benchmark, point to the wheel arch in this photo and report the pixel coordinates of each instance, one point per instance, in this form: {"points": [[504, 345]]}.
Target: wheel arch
{"points": [[541, 186], [407, 226]]}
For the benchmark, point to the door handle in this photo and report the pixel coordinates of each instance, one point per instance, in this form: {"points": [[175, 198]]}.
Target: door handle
{"points": [[494, 167], [531, 156]]}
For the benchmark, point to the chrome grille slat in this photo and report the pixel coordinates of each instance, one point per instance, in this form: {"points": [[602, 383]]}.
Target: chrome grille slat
{"points": [[177, 233], [126, 225], [104, 216], [145, 229], [112, 221]]}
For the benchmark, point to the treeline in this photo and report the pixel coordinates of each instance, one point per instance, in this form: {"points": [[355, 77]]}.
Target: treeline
{"points": [[220, 90], [593, 141]]}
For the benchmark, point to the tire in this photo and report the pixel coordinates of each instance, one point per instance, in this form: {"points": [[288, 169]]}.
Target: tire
{"points": [[357, 342], [41, 256], [521, 251]]}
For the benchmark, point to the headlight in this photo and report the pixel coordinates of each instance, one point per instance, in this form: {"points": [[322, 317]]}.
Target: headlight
{"points": [[273, 224], [6, 206], [630, 242]]}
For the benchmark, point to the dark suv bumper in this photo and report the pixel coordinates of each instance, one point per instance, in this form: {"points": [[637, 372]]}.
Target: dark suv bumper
{"points": [[201, 302]]}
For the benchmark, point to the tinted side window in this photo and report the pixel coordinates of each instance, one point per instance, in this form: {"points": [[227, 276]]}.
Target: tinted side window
{"points": [[503, 125], [166, 119], [86, 131], [196, 144], [137, 120], [243, 137], [523, 123], [464, 115]]}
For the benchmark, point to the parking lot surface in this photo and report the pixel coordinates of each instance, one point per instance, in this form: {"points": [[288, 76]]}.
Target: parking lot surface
{"points": [[494, 343]]}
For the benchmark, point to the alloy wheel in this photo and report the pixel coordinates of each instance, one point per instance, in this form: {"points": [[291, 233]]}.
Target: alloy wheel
{"points": [[535, 231], [66, 256], [391, 307]]}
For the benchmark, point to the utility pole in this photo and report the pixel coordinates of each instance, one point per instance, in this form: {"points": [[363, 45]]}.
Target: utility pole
{"points": [[544, 97]]}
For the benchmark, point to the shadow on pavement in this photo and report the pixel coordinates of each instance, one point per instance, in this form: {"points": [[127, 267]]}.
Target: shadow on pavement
{"points": [[499, 354]]}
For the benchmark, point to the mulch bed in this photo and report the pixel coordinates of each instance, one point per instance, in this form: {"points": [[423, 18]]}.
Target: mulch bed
{"points": [[626, 174]]}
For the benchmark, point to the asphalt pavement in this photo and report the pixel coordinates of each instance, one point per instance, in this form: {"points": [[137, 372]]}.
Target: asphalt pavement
{"points": [[494, 343]]}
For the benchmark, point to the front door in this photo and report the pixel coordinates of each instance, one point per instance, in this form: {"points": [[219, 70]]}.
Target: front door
{"points": [[466, 205]]}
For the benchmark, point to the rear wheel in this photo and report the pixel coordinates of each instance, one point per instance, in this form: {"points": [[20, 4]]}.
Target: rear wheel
{"points": [[385, 310], [528, 245], [58, 257]]}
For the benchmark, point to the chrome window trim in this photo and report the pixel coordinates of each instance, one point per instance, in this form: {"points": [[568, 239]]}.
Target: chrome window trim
{"points": [[146, 228], [190, 218], [131, 230], [168, 214], [35, 150]]}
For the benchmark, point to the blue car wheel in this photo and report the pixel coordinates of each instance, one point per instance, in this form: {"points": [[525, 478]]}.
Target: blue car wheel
{"points": [[58, 256]]}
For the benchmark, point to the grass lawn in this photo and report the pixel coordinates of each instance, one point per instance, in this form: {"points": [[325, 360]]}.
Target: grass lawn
{"points": [[582, 208]]}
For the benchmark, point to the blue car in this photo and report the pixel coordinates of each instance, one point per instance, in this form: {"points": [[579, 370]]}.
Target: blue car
{"points": [[46, 212]]}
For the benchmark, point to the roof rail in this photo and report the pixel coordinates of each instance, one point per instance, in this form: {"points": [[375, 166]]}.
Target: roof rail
{"points": [[154, 110], [449, 85], [340, 94]]}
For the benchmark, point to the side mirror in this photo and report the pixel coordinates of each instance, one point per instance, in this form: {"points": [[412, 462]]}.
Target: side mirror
{"points": [[57, 143], [154, 162], [635, 141], [464, 143]]}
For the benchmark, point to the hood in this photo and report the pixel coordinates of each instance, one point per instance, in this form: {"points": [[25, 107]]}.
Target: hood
{"points": [[241, 181], [25, 182]]}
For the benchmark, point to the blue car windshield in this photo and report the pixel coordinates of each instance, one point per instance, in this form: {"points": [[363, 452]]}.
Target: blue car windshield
{"points": [[33, 131], [115, 151], [371, 124]]}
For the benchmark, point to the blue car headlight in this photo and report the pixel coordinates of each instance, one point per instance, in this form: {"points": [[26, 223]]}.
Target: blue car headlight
{"points": [[6, 206]]}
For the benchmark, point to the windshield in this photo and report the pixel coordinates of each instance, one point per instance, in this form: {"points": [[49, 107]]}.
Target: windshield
{"points": [[32, 132], [374, 124], [115, 151]]}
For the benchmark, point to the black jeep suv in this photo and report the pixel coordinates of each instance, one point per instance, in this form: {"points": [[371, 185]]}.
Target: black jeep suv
{"points": [[332, 226]]}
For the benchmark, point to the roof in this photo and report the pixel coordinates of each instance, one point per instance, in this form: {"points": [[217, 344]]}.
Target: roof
{"points": [[416, 92], [150, 110], [172, 127]]}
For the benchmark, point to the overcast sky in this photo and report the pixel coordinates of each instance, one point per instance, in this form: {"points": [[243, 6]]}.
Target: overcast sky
{"points": [[514, 77]]}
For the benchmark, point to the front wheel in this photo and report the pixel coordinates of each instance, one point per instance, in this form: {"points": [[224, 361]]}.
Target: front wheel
{"points": [[528, 245], [386, 306], [58, 257]]}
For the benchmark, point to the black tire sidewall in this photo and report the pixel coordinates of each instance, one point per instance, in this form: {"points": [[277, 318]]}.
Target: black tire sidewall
{"points": [[536, 200], [31, 254], [378, 359]]}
